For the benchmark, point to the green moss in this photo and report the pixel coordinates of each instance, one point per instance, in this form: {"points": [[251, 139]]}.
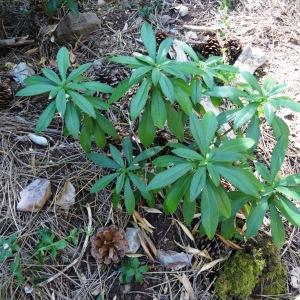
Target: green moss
{"points": [[274, 278], [240, 275]]}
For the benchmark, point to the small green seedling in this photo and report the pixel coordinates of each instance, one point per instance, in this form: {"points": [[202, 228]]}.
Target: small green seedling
{"points": [[132, 269], [49, 244], [54, 5], [128, 173], [9, 248], [73, 97]]}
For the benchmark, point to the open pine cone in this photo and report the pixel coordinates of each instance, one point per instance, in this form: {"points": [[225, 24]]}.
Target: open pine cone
{"points": [[5, 93], [160, 36], [233, 49], [109, 245], [210, 47]]}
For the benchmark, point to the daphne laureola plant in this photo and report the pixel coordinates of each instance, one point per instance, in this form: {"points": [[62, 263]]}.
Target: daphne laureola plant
{"points": [[207, 171]]}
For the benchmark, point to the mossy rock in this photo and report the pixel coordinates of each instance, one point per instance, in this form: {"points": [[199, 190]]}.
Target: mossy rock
{"points": [[273, 280], [240, 275], [259, 272]]}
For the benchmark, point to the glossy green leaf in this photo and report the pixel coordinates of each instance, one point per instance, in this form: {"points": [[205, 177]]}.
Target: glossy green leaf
{"points": [[148, 38], [175, 122], [139, 100], [263, 171], [82, 103], [240, 178], [35, 89], [78, 71], [127, 148], [269, 112], [209, 211], [213, 174], [51, 75], [237, 145], [72, 121], [289, 192], [146, 129], [129, 197], [163, 49], [252, 81], [106, 125], [158, 109], [96, 86], [253, 130], [63, 62], [167, 87], [85, 139], [120, 183], [169, 176], [146, 154], [255, 219], [103, 183], [290, 180], [175, 194], [141, 186], [285, 102], [188, 154], [278, 156], [188, 209], [155, 75], [198, 182], [277, 227], [99, 136], [167, 160], [103, 160], [289, 210], [116, 155], [46, 117], [61, 102], [244, 115]]}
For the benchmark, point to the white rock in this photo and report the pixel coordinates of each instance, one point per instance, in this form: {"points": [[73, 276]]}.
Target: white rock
{"points": [[133, 239], [174, 260], [101, 2], [191, 35], [35, 195], [295, 278], [37, 139], [66, 197], [21, 71], [183, 10]]}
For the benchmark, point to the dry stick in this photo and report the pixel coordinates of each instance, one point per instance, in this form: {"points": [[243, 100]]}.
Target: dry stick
{"points": [[15, 42], [85, 244]]}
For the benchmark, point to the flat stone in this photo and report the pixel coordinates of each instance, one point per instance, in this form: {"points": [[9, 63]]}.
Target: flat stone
{"points": [[35, 195], [73, 26], [174, 260], [133, 239], [66, 197]]}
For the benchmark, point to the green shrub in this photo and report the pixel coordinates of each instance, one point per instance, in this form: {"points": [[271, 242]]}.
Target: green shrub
{"points": [[132, 269], [75, 101], [128, 172]]}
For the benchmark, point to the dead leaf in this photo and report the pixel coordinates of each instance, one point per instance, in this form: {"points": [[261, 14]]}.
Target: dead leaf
{"points": [[185, 230], [151, 210], [144, 245], [211, 264], [229, 243], [187, 285], [150, 243], [66, 197]]}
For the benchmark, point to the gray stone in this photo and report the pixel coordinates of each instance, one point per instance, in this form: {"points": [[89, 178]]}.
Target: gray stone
{"points": [[35, 195], [21, 71], [174, 260], [73, 26], [66, 197], [133, 239]]}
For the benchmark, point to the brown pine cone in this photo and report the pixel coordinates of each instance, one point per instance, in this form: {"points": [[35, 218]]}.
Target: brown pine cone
{"points": [[160, 36], [109, 245], [5, 93], [210, 47], [112, 75], [233, 49]]}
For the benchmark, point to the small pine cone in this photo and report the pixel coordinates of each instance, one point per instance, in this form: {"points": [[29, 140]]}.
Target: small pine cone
{"points": [[112, 76], [160, 36], [109, 245], [5, 93], [233, 49], [210, 47]]}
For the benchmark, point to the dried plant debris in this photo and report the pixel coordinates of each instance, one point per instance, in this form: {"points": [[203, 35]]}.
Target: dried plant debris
{"points": [[5, 93], [109, 245], [233, 49]]}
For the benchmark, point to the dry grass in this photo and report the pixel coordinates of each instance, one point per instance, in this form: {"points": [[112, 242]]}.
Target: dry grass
{"points": [[270, 25]]}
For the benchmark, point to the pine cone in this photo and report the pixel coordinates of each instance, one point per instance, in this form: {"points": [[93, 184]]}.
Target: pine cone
{"points": [[160, 36], [109, 245], [112, 76], [5, 93], [210, 47], [233, 49]]}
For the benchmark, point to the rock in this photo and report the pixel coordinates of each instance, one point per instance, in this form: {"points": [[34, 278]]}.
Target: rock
{"points": [[35, 195], [101, 3], [174, 260], [295, 278], [72, 26], [165, 19], [21, 71], [97, 64], [66, 197], [133, 239], [250, 59], [191, 35], [182, 10], [37, 139]]}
